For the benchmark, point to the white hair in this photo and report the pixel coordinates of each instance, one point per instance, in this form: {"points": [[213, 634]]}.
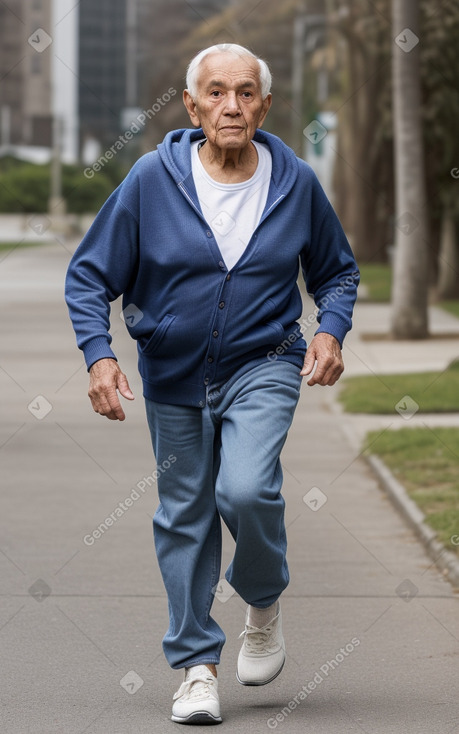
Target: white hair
{"points": [[233, 48]]}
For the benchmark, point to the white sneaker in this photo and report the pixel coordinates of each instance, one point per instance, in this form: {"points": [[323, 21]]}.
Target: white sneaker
{"points": [[196, 701], [262, 655]]}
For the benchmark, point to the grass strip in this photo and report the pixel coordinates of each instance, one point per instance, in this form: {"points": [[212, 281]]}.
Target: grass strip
{"points": [[426, 462], [432, 392], [450, 306], [20, 245], [377, 280]]}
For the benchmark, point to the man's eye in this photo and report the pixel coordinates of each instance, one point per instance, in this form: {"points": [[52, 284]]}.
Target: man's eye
{"points": [[215, 94], [247, 95]]}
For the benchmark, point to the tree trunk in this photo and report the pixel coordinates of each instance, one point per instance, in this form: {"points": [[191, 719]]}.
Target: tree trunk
{"points": [[409, 318], [356, 122], [448, 280], [369, 243], [360, 171]]}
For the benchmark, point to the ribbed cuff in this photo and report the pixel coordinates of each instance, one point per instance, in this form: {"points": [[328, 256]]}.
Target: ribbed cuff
{"points": [[95, 349], [333, 324]]}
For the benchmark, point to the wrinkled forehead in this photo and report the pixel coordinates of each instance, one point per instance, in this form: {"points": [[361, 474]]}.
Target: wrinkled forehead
{"points": [[228, 70]]}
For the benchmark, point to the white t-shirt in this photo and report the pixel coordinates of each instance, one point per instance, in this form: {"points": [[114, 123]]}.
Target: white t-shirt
{"points": [[233, 211]]}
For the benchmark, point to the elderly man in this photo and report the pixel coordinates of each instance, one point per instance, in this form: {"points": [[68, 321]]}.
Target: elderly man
{"points": [[204, 239]]}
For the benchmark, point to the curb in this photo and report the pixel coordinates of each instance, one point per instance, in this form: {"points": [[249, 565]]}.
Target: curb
{"points": [[445, 561]]}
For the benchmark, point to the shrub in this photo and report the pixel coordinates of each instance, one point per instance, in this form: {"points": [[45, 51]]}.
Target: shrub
{"points": [[25, 188]]}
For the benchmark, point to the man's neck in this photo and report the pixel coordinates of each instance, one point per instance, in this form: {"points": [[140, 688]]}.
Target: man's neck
{"points": [[229, 166]]}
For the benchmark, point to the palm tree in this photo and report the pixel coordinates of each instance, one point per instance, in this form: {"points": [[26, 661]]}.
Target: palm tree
{"points": [[409, 318]]}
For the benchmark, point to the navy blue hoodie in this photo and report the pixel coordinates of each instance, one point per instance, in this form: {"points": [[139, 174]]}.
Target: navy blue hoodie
{"points": [[195, 322]]}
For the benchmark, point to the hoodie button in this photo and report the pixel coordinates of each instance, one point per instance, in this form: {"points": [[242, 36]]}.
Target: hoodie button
{"points": [[210, 360], [209, 233], [215, 333]]}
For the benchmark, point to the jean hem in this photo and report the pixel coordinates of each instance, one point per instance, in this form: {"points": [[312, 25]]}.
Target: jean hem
{"points": [[192, 663], [266, 606]]}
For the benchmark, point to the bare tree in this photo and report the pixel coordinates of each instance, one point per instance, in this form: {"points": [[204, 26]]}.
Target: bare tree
{"points": [[410, 283]]}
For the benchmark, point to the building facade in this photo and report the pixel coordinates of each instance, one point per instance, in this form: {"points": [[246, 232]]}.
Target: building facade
{"points": [[25, 73], [101, 69]]}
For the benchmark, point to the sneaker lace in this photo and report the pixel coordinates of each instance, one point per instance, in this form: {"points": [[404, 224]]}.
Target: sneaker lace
{"points": [[196, 688], [256, 638]]}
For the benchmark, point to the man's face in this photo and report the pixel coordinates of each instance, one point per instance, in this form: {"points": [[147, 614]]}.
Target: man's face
{"points": [[229, 106]]}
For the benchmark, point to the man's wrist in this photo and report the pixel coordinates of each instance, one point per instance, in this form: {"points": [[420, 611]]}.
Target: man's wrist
{"points": [[102, 359], [97, 349], [328, 334]]}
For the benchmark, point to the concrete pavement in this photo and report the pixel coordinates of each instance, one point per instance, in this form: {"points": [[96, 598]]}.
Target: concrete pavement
{"points": [[371, 627]]}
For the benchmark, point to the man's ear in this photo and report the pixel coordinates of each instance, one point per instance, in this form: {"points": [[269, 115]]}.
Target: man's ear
{"points": [[190, 105], [265, 109]]}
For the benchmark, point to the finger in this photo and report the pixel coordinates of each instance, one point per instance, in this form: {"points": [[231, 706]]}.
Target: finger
{"points": [[327, 372], [335, 376], [102, 407], [123, 387], [107, 411], [114, 405], [318, 375], [332, 374], [111, 416], [309, 364], [106, 403], [96, 402]]}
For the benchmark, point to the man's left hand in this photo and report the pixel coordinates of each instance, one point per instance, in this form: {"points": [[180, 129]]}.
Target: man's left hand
{"points": [[326, 351]]}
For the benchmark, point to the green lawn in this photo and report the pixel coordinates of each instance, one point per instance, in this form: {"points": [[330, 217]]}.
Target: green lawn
{"points": [[426, 462], [21, 245], [434, 392], [451, 307], [377, 279]]}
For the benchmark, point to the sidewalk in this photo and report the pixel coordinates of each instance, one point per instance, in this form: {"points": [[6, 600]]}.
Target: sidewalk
{"points": [[371, 627], [381, 356]]}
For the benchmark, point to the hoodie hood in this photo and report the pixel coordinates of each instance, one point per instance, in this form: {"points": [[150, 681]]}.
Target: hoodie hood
{"points": [[175, 153]]}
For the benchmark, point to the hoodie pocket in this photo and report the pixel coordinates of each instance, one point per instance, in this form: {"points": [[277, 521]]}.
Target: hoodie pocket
{"points": [[278, 328], [156, 338]]}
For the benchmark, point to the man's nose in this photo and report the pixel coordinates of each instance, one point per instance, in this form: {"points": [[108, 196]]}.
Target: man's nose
{"points": [[232, 104]]}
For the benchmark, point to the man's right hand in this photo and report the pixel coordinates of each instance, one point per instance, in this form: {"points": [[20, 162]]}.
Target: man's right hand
{"points": [[105, 378]]}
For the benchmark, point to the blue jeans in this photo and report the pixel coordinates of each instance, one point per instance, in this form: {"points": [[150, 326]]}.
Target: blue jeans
{"points": [[226, 466]]}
